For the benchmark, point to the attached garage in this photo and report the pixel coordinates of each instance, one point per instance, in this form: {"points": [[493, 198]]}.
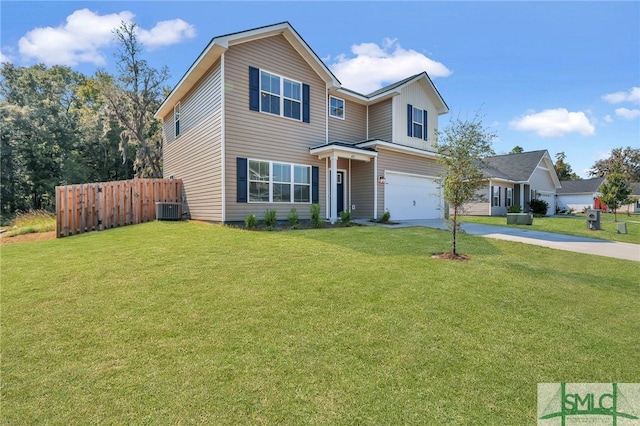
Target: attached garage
{"points": [[410, 197]]}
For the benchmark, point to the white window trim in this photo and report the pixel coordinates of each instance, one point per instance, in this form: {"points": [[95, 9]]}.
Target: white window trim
{"points": [[344, 109], [496, 197], [509, 197], [271, 182], [176, 120], [281, 95], [414, 122]]}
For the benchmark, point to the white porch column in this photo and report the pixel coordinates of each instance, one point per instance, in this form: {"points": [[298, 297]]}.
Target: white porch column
{"points": [[334, 189], [522, 197], [375, 187]]}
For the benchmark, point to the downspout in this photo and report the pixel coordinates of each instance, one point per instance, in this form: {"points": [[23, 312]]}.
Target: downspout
{"points": [[375, 188], [222, 142]]}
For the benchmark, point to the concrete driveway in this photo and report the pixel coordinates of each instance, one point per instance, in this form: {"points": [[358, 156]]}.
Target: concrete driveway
{"points": [[594, 246]]}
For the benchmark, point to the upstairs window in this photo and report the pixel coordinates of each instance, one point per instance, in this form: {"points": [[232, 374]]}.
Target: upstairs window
{"points": [[176, 118], [417, 122], [336, 107], [277, 95]]}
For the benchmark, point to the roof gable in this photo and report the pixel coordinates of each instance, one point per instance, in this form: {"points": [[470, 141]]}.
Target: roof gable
{"points": [[519, 167], [218, 45]]}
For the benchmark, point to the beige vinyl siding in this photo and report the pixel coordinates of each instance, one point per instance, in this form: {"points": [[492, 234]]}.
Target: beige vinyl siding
{"points": [[404, 163], [262, 136], [353, 128], [362, 187], [480, 207], [195, 155], [416, 95], [380, 121]]}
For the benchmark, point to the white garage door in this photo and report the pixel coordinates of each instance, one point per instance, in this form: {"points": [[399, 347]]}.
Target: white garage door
{"points": [[410, 197], [550, 198]]}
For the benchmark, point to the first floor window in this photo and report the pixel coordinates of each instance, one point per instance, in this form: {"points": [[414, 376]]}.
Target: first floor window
{"points": [[273, 182], [509, 196], [495, 201]]}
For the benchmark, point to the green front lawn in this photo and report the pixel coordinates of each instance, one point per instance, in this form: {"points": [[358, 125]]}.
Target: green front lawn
{"points": [[189, 323], [573, 225]]}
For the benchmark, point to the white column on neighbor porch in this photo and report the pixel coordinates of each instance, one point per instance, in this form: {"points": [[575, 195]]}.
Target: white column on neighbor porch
{"points": [[334, 189], [522, 197], [375, 187]]}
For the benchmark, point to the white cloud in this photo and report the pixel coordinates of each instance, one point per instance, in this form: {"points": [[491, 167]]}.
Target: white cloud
{"points": [[85, 33], [628, 114], [608, 119], [166, 33], [373, 66], [5, 58], [633, 96], [554, 122], [78, 40]]}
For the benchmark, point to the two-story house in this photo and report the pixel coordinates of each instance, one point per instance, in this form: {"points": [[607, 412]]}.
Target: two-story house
{"points": [[259, 122]]}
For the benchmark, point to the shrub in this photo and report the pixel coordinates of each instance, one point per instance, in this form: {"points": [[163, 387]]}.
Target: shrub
{"points": [[514, 209], [250, 221], [315, 216], [345, 218], [270, 219], [293, 218], [539, 207], [386, 216]]}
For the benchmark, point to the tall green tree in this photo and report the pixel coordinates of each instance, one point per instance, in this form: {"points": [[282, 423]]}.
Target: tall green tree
{"points": [[132, 98], [39, 127], [463, 147], [563, 169], [516, 150], [625, 160], [615, 191]]}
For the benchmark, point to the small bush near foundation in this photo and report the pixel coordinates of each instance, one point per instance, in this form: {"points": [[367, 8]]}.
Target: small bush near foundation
{"points": [[345, 218], [538, 207], [294, 219], [386, 217], [316, 222], [250, 221], [270, 219]]}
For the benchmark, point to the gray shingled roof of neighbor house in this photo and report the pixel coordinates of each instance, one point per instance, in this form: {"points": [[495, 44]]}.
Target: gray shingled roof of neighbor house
{"points": [[514, 167], [586, 186]]}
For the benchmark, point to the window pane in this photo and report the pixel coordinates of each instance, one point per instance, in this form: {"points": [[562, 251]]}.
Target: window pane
{"points": [[301, 193], [259, 191], [417, 130], [302, 174], [281, 172], [281, 192], [292, 109], [291, 89], [417, 115], [259, 170], [270, 83]]}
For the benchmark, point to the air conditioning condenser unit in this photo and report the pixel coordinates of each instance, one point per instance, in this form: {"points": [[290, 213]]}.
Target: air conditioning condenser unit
{"points": [[169, 211]]}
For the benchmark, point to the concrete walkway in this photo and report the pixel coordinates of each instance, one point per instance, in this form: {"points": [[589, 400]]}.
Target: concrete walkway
{"points": [[594, 246]]}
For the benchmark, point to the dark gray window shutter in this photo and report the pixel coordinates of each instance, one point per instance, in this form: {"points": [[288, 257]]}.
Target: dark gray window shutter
{"points": [[306, 107], [409, 120], [425, 133], [315, 184], [254, 89], [241, 189]]}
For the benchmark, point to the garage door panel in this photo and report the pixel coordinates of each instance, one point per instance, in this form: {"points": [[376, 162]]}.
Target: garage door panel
{"points": [[410, 197]]}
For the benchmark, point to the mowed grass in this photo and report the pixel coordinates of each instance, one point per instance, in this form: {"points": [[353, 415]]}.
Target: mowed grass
{"points": [[190, 323], [573, 225]]}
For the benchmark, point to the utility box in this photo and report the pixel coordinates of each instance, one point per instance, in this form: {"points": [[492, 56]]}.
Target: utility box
{"points": [[622, 227], [593, 219], [168, 211]]}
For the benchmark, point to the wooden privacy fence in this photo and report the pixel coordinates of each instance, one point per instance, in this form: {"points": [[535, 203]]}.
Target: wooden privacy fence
{"points": [[103, 205]]}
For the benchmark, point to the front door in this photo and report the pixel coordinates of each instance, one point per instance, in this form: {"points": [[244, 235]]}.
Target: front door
{"points": [[340, 192]]}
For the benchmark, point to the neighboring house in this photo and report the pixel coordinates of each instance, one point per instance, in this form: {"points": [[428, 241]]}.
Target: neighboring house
{"points": [[579, 195], [515, 179], [635, 195], [259, 122]]}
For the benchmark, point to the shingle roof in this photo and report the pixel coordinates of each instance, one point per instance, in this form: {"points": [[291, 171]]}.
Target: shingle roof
{"points": [[514, 167], [586, 186], [392, 86]]}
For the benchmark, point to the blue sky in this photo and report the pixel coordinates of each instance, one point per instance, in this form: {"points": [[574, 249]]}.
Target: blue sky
{"points": [[561, 76]]}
